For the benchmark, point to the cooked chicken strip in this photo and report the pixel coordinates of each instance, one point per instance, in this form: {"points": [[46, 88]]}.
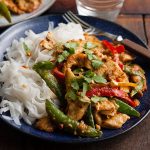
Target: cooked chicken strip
{"points": [[49, 42], [22, 6], [76, 109], [13, 7], [45, 124], [106, 107], [98, 118], [113, 72], [116, 121], [28, 5]]}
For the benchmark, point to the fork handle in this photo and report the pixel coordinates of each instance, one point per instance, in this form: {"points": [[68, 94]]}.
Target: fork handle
{"points": [[136, 48]]}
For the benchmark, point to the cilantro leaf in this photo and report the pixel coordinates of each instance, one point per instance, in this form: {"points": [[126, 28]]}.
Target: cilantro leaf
{"points": [[84, 99], [88, 80], [90, 56], [27, 49], [99, 79], [85, 88], [89, 74], [96, 99], [75, 85], [96, 63], [71, 47], [71, 94], [63, 56], [89, 45], [60, 58], [78, 70], [88, 77]]}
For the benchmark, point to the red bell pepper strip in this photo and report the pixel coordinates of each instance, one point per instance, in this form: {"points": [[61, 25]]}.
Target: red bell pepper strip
{"points": [[121, 65], [120, 48], [114, 49], [57, 73], [109, 46], [108, 91]]}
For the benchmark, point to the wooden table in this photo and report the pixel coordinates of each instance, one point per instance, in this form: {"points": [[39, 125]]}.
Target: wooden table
{"points": [[135, 16]]}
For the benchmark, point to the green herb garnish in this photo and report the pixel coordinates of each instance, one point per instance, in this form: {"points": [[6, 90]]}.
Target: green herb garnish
{"points": [[78, 71], [71, 47], [96, 63], [96, 99], [75, 85], [99, 79], [27, 49], [85, 88], [88, 80], [63, 56], [89, 45], [90, 56], [71, 94], [88, 77], [89, 74]]}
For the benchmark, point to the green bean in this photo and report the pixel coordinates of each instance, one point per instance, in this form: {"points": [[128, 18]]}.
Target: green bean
{"points": [[68, 124], [44, 65], [4, 11], [126, 109], [89, 117], [128, 70], [51, 82], [137, 88]]}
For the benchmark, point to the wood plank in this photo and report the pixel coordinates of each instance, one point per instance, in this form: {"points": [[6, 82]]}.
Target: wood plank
{"points": [[62, 6], [136, 7], [134, 23], [147, 26]]}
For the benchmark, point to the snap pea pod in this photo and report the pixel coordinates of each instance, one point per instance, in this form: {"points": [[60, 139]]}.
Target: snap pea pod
{"points": [[89, 117], [129, 71], [69, 124], [44, 65], [4, 11], [51, 82], [126, 109], [137, 88]]}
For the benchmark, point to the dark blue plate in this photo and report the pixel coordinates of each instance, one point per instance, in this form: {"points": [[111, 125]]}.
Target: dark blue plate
{"points": [[41, 24]]}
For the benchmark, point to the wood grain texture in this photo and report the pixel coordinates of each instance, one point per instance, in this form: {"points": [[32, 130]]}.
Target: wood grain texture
{"points": [[136, 7], [134, 23], [147, 28]]}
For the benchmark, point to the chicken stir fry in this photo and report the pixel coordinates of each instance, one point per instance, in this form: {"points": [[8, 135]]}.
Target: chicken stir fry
{"points": [[22, 6], [100, 85]]}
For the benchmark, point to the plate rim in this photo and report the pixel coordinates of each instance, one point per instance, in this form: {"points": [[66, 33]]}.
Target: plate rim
{"points": [[79, 140], [38, 13]]}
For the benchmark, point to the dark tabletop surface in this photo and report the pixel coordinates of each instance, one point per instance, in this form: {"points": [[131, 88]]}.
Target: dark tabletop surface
{"points": [[135, 16]]}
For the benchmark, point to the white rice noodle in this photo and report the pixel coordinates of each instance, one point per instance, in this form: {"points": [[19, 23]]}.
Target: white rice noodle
{"points": [[24, 92], [71, 31], [24, 89]]}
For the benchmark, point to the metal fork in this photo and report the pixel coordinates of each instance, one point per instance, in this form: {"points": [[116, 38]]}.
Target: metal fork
{"points": [[130, 45], [71, 17]]}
